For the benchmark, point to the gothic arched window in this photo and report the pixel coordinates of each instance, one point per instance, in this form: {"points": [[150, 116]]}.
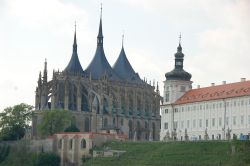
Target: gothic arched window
{"points": [[105, 106], [105, 122], [71, 144], [60, 144], [83, 143], [87, 125]]}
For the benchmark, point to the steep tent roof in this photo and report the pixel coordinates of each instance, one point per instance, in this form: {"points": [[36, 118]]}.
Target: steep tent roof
{"points": [[99, 65], [124, 69], [216, 92], [74, 65]]}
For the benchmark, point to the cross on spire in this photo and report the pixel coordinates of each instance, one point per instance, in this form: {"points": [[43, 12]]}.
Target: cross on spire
{"points": [[180, 38], [101, 10], [122, 37]]}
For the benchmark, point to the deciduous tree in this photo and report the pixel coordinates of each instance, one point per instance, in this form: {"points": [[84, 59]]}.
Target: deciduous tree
{"points": [[14, 120]]}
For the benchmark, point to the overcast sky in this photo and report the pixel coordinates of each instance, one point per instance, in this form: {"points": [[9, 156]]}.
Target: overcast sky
{"points": [[215, 39]]}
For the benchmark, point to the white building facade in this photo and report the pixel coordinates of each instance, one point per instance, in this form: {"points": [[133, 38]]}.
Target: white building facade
{"points": [[210, 113]]}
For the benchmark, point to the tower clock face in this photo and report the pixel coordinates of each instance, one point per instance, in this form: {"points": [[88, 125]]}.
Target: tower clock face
{"points": [[179, 63]]}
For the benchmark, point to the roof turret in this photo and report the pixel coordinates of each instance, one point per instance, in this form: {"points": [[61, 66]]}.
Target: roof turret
{"points": [[178, 73]]}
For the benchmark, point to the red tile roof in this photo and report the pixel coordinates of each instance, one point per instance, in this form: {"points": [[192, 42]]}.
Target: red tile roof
{"points": [[216, 92]]}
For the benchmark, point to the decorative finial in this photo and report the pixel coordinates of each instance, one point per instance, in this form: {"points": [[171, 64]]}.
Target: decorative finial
{"points": [[180, 38], [101, 10], [75, 26], [122, 37]]}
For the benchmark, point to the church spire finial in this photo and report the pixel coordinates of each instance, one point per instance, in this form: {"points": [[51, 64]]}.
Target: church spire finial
{"points": [[75, 44], [100, 35], [179, 48], [180, 39], [122, 38], [101, 10]]}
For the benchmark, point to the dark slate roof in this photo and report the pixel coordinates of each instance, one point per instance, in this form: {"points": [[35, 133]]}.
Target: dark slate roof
{"points": [[124, 69], [178, 74], [74, 66], [99, 65]]}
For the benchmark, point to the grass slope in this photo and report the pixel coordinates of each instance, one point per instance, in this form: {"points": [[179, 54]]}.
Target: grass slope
{"points": [[211, 153]]}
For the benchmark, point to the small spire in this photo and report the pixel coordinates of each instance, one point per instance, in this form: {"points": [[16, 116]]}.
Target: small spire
{"points": [[157, 88], [75, 44], [40, 79], [100, 35], [45, 72]]}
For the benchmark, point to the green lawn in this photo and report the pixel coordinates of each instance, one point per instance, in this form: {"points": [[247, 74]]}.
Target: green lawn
{"points": [[211, 153]]}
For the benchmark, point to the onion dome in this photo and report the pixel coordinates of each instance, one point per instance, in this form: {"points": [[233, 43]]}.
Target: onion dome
{"points": [[178, 73]]}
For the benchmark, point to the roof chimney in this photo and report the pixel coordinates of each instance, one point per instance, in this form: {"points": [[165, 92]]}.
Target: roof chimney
{"points": [[243, 79], [224, 82], [198, 86], [212, 84]]}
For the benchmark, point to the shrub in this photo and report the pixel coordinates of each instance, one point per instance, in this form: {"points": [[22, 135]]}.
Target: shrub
{"points": [[48, 159]]}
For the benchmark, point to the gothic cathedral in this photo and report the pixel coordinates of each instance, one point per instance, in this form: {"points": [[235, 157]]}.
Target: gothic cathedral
{"points": [[101, 97]]}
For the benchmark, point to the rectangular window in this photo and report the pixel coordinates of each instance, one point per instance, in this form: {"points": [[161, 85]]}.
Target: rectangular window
{"points": [[242, 102], [234, 120], [227, 121], [249, 119], [200, 107], [175, 125], [182, 124], [194, 123], [235, 103], [166, 111], [183, 88], [242, 120], [167, 97], [220, 121], [200, 123], [213, 122], [206, 122], [166, 125], [187, 123]]}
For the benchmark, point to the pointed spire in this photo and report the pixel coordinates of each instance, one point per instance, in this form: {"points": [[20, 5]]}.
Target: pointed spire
{"points": [[74, 65], [39, 79], [45, 77], [75, 44], [157, 88], [100, 35]]}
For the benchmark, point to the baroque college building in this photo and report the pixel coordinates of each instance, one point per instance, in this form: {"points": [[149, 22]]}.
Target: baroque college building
{"points": [[209, 113], [101, 97]]}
